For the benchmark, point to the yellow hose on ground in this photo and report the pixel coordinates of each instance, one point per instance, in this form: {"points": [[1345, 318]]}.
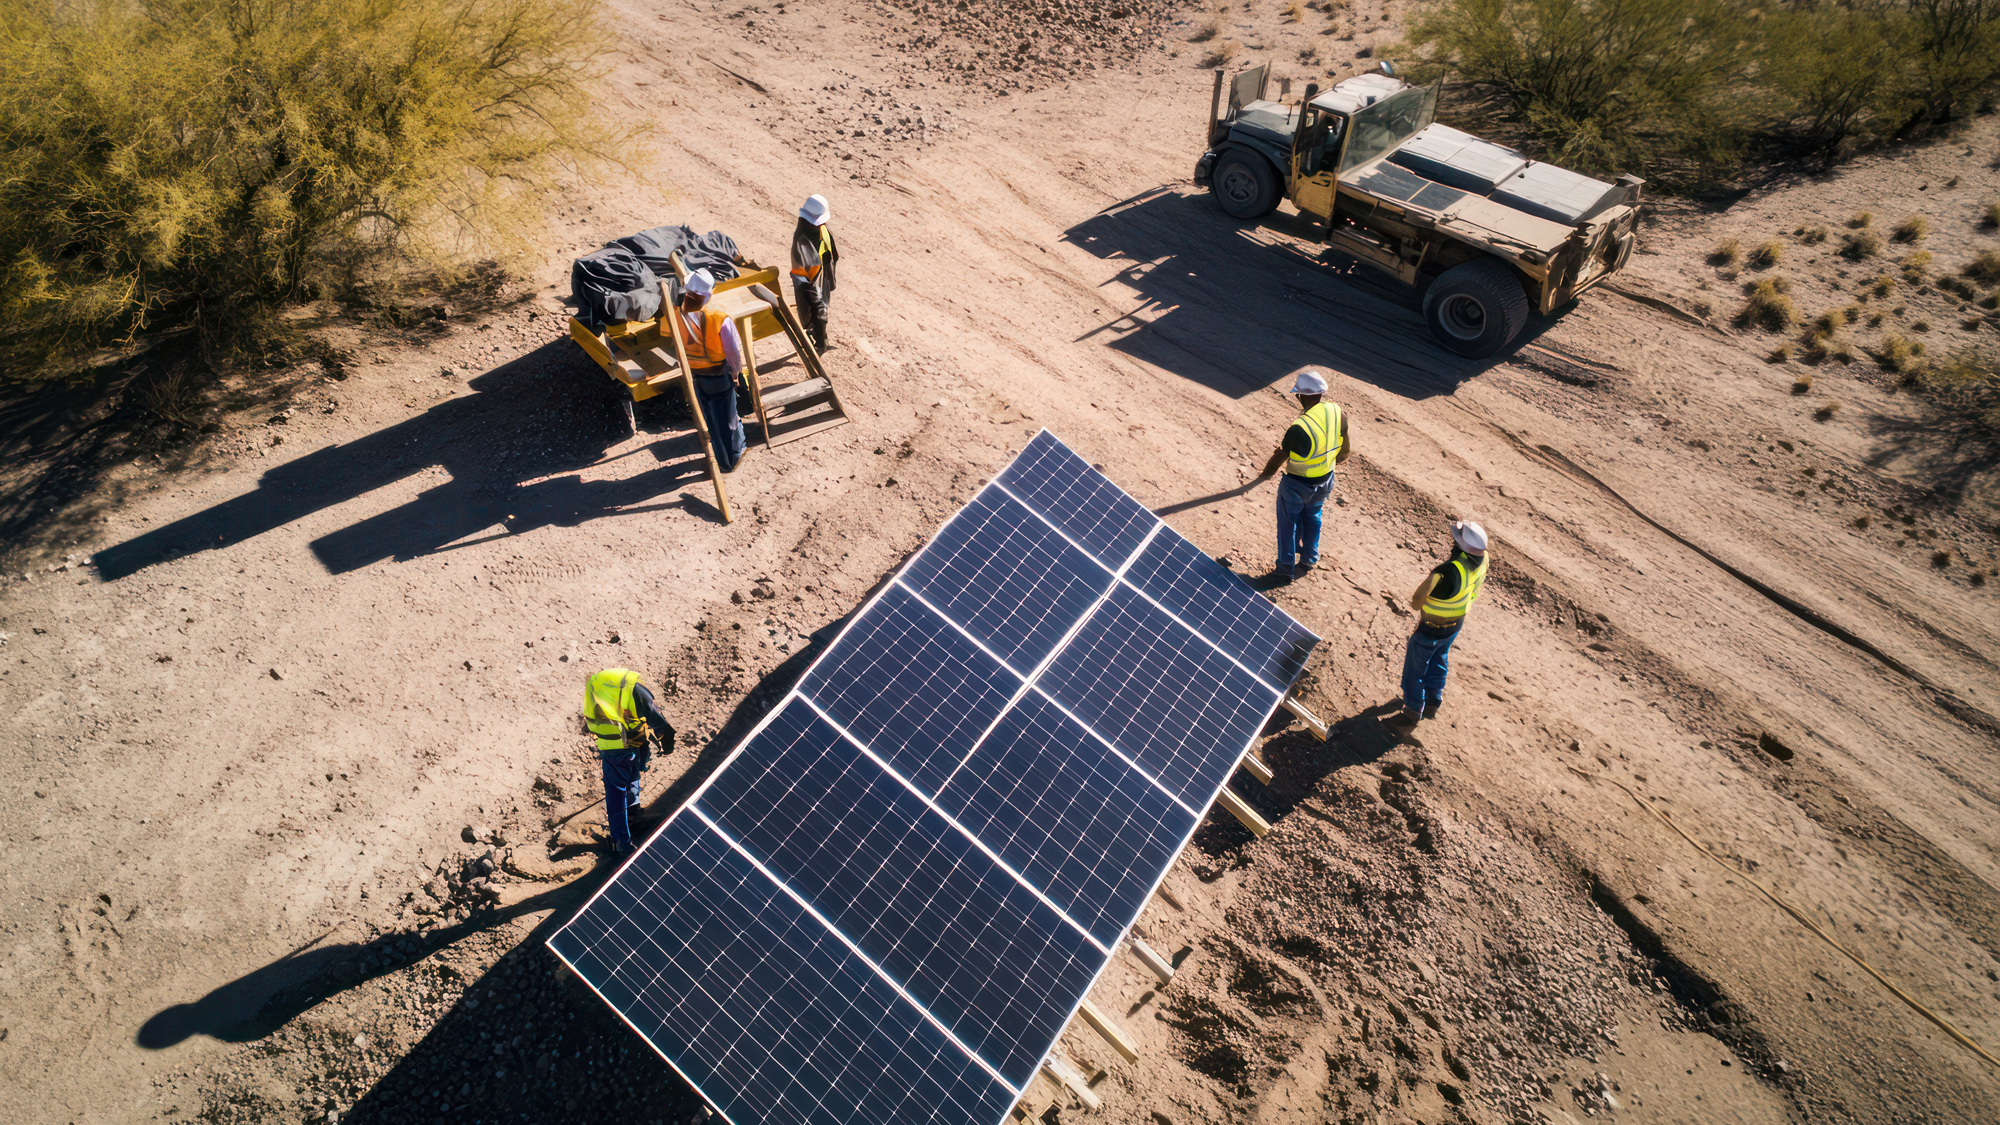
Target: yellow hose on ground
{"points": [[1943, 1024]]}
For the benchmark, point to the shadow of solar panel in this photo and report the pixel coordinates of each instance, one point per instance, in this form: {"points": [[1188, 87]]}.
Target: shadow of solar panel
{"points": [[757, 1003], [1071, 816], [1079, 500], [992, 962], [1222, 607], [1008, 578], [911, 687], [1181, 710]]}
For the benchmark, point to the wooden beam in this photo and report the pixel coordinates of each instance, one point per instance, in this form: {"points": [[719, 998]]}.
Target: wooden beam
{"points": [[1066, 1073], [672, 315], [1257, 825], [1112, 1033], [1257, 768], [1313, 722], [1159, 966]]}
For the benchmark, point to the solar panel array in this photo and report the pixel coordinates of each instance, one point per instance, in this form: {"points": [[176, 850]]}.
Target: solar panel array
{"points": [[889, 901]]}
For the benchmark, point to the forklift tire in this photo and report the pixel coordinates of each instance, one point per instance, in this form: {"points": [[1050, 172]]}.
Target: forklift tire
{"points": [[1245, 185], [1476, 308]]}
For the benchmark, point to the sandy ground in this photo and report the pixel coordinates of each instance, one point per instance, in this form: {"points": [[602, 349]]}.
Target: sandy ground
{"points": [[271, 698]]}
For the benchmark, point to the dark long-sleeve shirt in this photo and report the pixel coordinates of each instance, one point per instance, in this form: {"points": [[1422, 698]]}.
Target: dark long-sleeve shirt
{"points": [[642, 698]]}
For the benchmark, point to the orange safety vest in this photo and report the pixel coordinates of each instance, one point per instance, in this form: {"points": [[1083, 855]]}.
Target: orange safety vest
{"points": [[703, 337]]}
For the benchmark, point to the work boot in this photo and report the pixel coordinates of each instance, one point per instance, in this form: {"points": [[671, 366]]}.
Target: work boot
{"points": [[1431, 712], [1282, 572]]}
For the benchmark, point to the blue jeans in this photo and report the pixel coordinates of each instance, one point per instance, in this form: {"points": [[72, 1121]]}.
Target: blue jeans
{"points": [[621, 796], [1299, 502], [1425, 663], [725, 423]]}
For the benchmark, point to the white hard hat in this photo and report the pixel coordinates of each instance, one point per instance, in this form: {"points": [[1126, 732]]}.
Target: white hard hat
{"points": [[814, 210], [1309, 382], [701, 283], [1470, 536]]}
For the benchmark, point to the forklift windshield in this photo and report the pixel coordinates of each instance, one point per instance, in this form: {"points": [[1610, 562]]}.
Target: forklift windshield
{"points": [[1388, 123]]}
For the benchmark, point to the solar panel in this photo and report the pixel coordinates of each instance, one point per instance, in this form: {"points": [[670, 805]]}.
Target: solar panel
{"points": [[891, 898]]}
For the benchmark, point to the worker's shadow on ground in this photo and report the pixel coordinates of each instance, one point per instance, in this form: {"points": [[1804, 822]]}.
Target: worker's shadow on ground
{"points": [[1234, 306], [1299, 762], [258, 1003], [515, 450]]}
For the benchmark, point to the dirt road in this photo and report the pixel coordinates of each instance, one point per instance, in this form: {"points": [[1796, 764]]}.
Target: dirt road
{"points": [[249, 738]]}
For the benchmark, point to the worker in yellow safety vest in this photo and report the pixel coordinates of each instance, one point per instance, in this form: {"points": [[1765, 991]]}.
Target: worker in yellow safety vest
{"points": [[715, 355], [619, 710], [1442, 602], [814, 258], [1313, 444]]}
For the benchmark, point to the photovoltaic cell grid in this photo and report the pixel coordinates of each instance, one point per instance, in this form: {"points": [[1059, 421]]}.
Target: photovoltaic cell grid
{"points": [[887, 904]]}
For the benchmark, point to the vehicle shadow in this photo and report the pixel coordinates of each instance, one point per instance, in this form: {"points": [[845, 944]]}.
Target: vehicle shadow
{"points": [[514, 449], [1231, 305], [1955, 452]]}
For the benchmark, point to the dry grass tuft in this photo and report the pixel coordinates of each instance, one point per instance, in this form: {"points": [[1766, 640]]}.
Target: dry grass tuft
{"points": [[1940, 559], [1860, 220], [1812, 236], [1725, 253], [1831, 321], [1768, 307], [1767, 254], [1897, 353], [1223, 53], [1861, 523], [1863, 245], [1992, 216], [1296, 13], [1826, 411], [1915, 265], [1209, 29], [1984, 267], [1882, 286], [1779, 354], [1912, 229], [1802, 384]]}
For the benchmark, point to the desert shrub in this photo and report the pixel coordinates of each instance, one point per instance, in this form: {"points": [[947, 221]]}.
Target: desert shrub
{"points": [[1223, 53], [1802, 384], [1984, 267], [1767, 254], [1992, 216], [1952, 63], [1768, 308], [1831, 321], [1703, 308], [1860, 220], [1897, 353], [1912, 229], [1725, 253], [1921, 326], [1861, 244], [1915, 265], [188, 162], [1780, 354], [1861, 523], [1966, 387], [1828, 66], [1826, 411], [1295, 13], [1606, 85], [1940, 559], [1209, 29], [1874, 320], [1813, 236], [1883, 286]]}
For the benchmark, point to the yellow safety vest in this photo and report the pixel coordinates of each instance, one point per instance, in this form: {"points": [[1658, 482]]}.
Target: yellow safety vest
{"points": [[610, 712], [1454, 608], [1322, 424]]}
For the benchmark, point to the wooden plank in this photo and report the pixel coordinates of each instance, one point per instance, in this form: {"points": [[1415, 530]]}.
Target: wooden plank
{"points": [[1257, 768], [1313, 722], [1159, 966], [1258, 826], [656, 372], [1112, 1033], [797, 392], [673, 320], [1066, 1073]]}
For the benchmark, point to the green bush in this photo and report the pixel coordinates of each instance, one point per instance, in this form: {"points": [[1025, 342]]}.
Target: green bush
{"points": [[190, 162], [1607, 85]]}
